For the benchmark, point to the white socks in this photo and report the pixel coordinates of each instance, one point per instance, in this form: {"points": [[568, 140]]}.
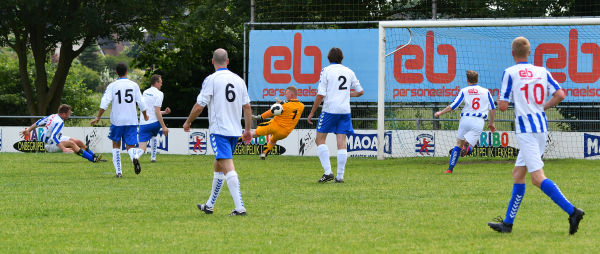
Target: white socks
{"points": [[217, 184], [342, 156], [234, 187], [153, 148], [323, 153], [131, 152], [117, 160]]}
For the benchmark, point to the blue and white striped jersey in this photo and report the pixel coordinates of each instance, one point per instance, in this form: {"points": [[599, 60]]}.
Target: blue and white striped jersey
{"points": [[53, 125], [529, 87], [478, 101]]}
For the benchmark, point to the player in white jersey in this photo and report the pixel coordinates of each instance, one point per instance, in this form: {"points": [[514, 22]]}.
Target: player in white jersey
{"points": [[337, 84], [478, 101], [124, 94], [225, 94], [529, 87], [149, 129], [53, 138]]}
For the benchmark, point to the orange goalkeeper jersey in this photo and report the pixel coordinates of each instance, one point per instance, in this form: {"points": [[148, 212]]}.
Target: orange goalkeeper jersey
{"points": [[292, 111]]}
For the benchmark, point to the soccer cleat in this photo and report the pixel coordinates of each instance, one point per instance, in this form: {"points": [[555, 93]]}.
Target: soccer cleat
{"points": [[500, 225], [119, 175], [152, 161], [206, 209], [263, 156], [236, 213], [97, 157], [338, 180], [574, 220], [136, 166], [326, 178], [466, 150], [448, 171]]}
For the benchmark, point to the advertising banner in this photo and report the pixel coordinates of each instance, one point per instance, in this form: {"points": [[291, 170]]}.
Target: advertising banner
{"points": [[431, 69]]}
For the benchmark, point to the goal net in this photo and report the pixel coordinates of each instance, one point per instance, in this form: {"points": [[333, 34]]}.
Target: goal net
{"points": [[423, 64]]}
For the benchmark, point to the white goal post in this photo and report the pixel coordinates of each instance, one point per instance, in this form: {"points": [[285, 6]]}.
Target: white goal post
{"points": [[502, 24]]}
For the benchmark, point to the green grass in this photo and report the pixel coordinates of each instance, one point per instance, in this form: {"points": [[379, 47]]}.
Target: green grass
{"points": [[59, 203]]}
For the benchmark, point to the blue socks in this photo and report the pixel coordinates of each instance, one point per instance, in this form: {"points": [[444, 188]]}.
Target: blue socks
{"points": [[454, 157], [515, 202], [554, 193]]}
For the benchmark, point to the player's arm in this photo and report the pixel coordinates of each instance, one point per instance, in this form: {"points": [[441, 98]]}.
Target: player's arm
{"points": [[491, 125], [357, 89], [196, 110], [457, 101], [318, 100], [26, 131], [140, 102], [247, 135], [166, 111], [505, 92], [557, 97], [159, 117], [104, 102], [443, 111]]}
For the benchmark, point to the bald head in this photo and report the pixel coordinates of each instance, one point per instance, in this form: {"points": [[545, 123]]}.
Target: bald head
{"points": [[220, 57], [521, 48]]}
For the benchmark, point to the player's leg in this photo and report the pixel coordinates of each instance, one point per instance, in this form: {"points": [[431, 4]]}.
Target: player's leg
{"points": [[342, 157], [538, 178], [217, 184], [455, 154], [83, 147], [130, 138], [225, 164], [153, 148], [272, 142], [146, 132], [327, 124], [68, 145], [115, 134]]}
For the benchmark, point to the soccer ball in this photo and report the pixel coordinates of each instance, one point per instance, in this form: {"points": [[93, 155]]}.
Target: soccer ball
{"points": [[276, 109]]}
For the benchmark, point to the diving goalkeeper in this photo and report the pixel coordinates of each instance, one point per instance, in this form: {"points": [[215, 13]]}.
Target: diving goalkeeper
{"points": [[282, 125]]}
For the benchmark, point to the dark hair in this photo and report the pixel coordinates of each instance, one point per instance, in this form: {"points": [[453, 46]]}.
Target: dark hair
{"points": [[472, 77], [63, 108], [335, 55], [154, 79], [121, 69]]}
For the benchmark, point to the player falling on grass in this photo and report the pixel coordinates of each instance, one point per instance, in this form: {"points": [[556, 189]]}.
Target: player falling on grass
{"points": [[478, 101], [337, 84], [282, 125], [528, 86], [124, 94], [149, 129], [54, 140], [225, 94]]}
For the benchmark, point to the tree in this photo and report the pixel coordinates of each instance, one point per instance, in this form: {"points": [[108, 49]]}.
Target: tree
{"points": [[181, 49], [38, 27]]}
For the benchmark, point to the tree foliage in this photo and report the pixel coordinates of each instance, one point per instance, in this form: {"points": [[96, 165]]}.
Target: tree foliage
{"points": [[38, 27]]}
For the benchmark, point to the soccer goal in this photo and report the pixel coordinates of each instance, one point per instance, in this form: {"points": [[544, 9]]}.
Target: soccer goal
{"points": [[423, 64]]}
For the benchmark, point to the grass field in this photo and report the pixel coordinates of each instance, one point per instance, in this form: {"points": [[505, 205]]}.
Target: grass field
{"points": [[58, 203]]}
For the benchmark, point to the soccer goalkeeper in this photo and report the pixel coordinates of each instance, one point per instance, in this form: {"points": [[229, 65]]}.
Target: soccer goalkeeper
{"points": [[282, 125]]}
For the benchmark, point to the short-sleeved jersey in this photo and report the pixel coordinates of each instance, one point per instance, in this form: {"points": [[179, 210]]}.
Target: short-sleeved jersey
{"points": [[124, 94], [478, 101], [224, 92], [152, 98], [335, 84], [529, 87], [53, 125], [292, 111]]}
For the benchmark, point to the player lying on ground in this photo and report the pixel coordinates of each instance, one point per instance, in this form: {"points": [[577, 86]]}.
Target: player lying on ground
{"points": [[53, 138], [282, 125], [478, 101]]}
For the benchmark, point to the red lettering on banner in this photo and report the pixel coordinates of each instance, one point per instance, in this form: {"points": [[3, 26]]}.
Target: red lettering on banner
{"points": [[411, 64], [285, 64], [443, 49], [289, 60], [417, 63], [558, 62], [586, 48]]}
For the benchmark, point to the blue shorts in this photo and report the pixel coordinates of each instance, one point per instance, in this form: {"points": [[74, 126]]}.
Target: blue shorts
{"points": [[223, 146], [147, 131], [335, 123], [128, 133]]}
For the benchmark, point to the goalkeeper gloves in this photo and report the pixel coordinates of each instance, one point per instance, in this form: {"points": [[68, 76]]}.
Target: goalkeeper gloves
{"points": [[257, 117]]}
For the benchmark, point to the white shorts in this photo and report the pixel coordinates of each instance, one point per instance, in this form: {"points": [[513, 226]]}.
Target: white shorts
{"points": [[51, 147], [470, 129], [531, 149]]}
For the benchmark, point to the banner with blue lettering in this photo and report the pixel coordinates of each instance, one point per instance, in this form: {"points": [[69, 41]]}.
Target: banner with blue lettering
{"points": [[431, 69]]}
